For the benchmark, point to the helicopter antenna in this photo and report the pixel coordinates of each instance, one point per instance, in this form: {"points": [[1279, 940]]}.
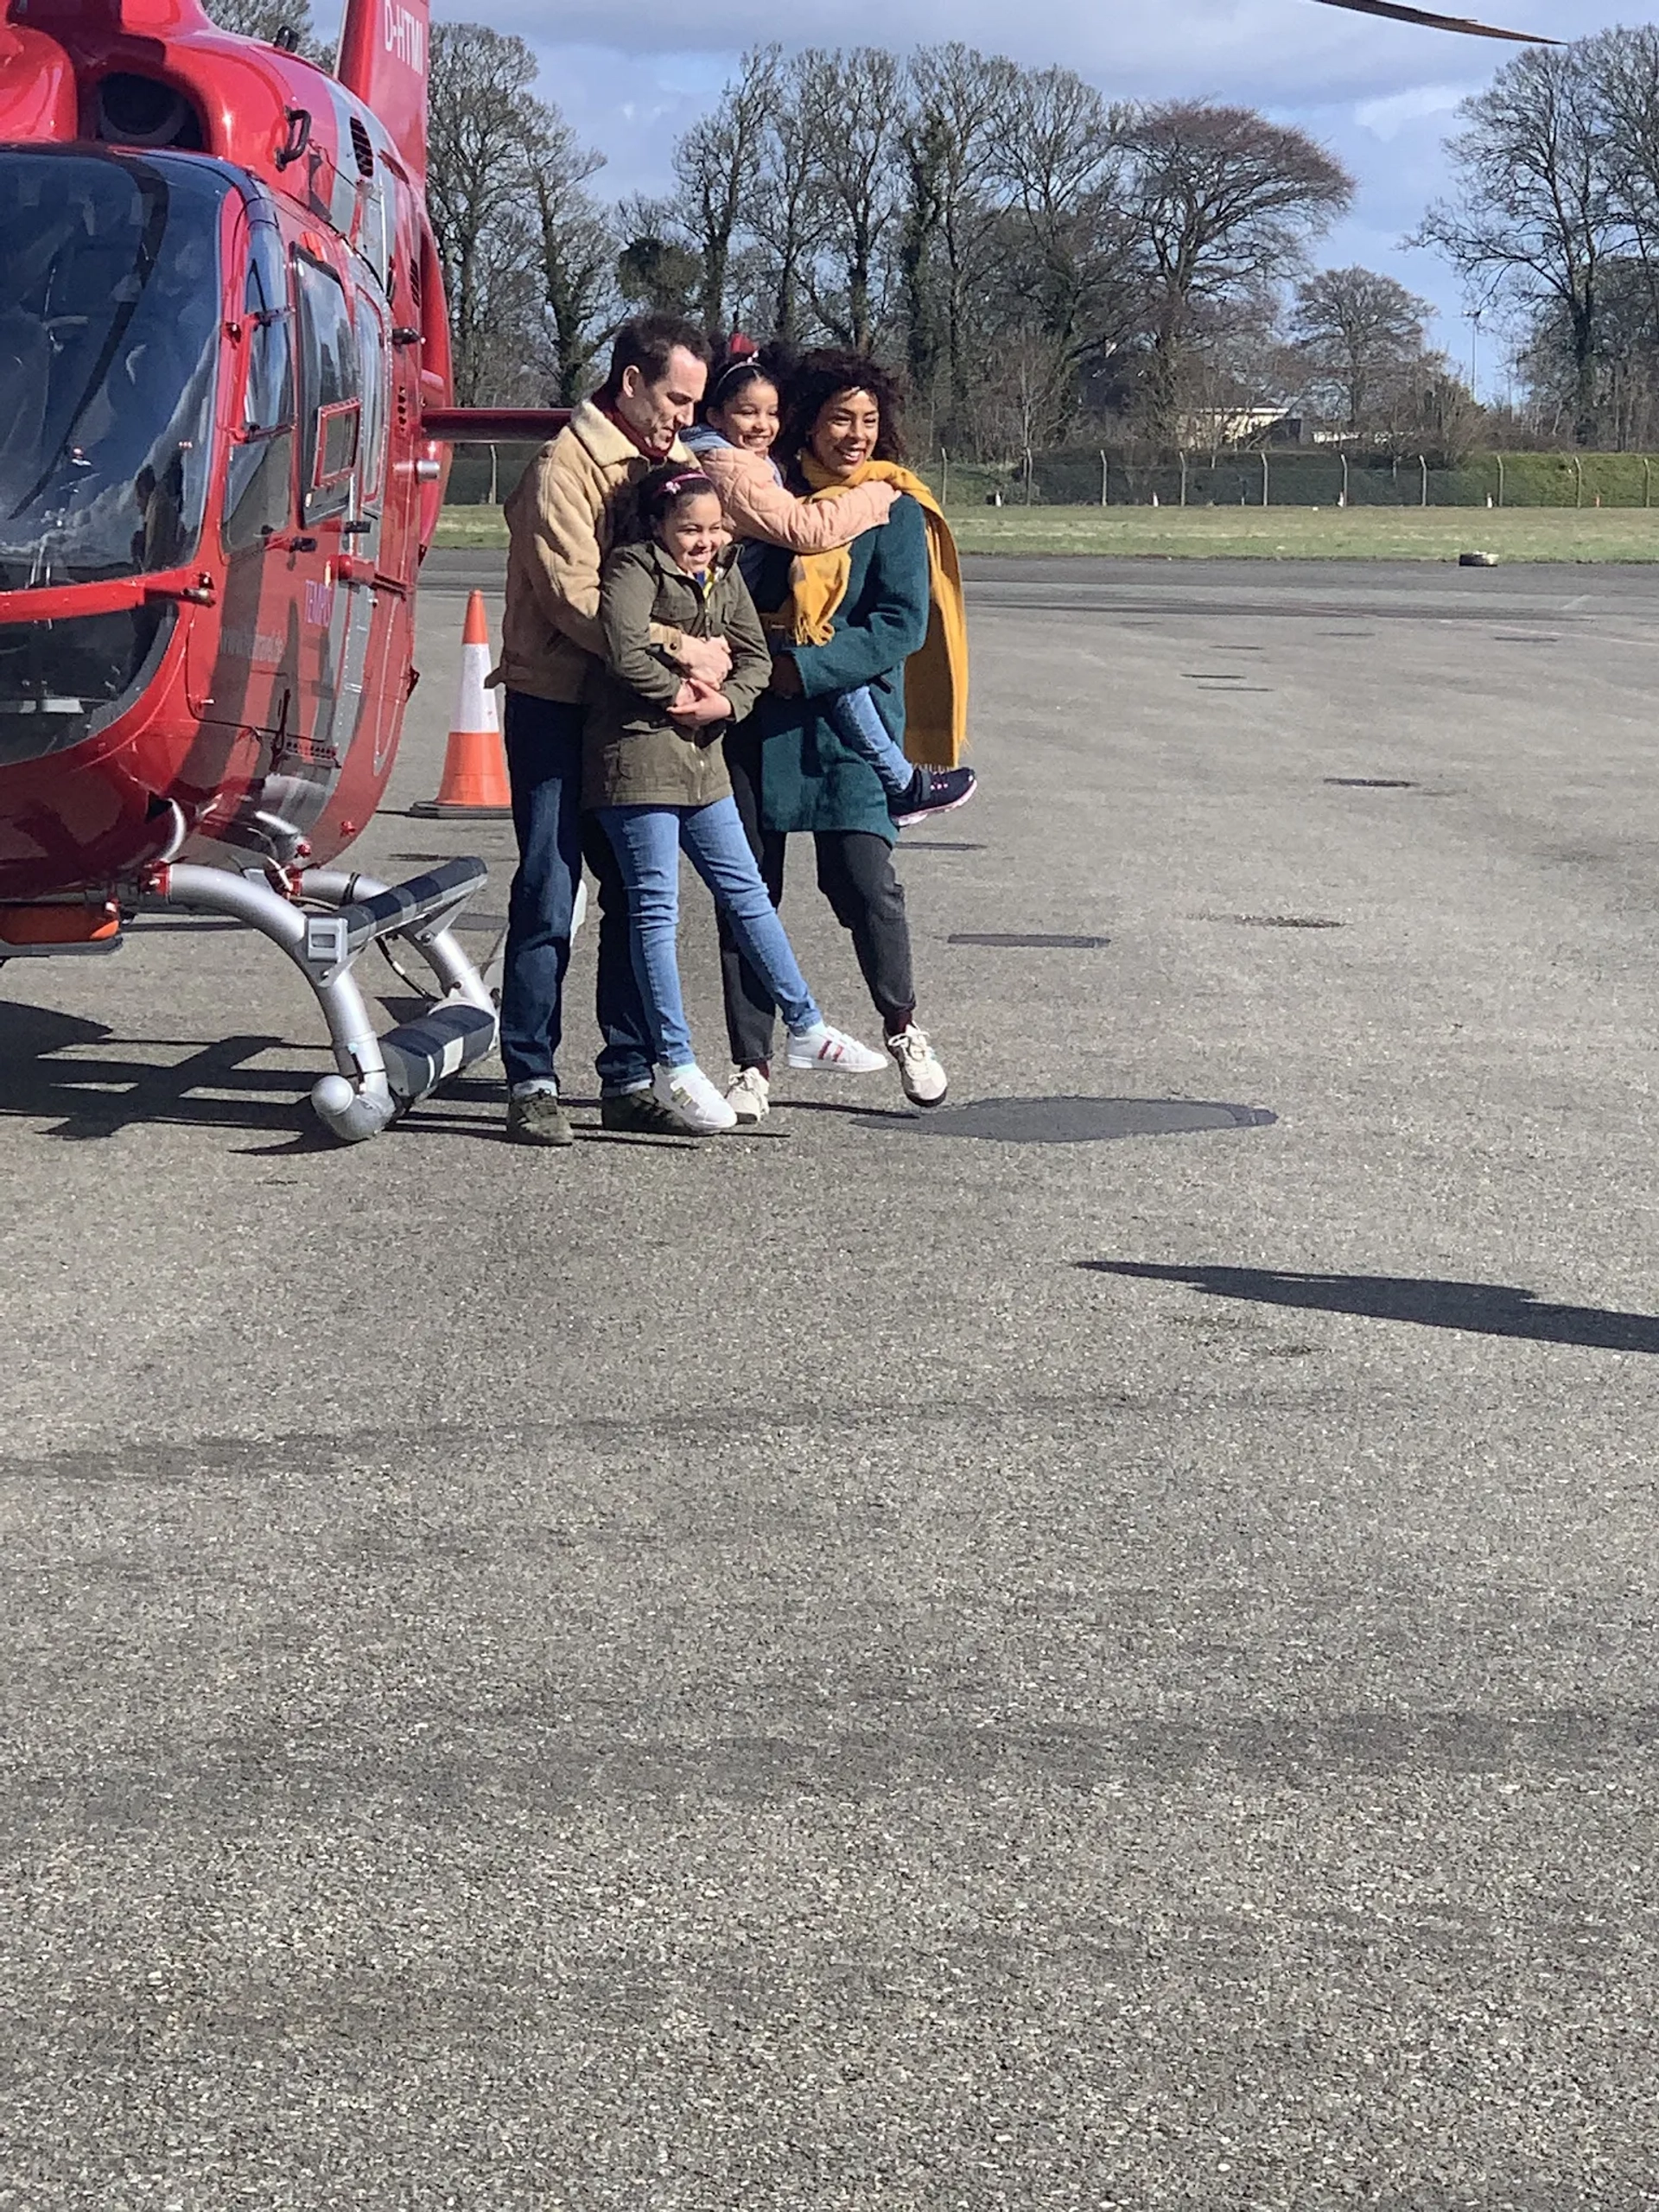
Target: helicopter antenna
{"points": [[1402, 14]]}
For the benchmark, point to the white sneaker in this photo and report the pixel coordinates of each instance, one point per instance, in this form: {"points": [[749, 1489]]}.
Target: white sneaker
{"points": [[824, 1051], [749, 1096], [919, 1067], [692, 1100]]}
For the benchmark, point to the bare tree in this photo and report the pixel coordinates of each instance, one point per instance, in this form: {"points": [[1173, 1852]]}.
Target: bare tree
{"points": [[853, 102], [1532, 217], [1057, 265], [718, 165], [1625, 65], [1035, 255], [927, 155], [782, 223], [1220, 200], [1433, 412], [952, 158], [1356, 336], [578, 250], [483, 122]]}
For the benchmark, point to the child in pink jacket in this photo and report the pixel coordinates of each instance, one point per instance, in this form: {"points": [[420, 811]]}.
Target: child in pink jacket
{"points": [[732, 440]]}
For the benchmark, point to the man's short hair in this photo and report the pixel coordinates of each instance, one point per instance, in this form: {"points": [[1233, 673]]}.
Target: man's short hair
{"points": [[645, 344]]}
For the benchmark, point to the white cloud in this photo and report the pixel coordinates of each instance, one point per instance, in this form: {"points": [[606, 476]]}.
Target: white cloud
{"points": [[1386, 118]]}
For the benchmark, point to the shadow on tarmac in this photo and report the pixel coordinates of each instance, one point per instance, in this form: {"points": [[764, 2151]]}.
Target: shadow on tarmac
{"points": [[101, 1097], [1484, 1309], [86, 1099]]}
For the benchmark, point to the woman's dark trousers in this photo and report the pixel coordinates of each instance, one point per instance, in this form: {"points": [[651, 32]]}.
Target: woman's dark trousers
{"points": [[856, 875]]}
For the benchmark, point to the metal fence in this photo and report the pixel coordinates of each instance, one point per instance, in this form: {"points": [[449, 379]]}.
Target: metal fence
{"points": [[1292, 476], [483, 475]]}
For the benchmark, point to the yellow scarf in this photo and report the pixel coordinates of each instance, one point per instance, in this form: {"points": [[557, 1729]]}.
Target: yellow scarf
{"points": [[935, 678]]}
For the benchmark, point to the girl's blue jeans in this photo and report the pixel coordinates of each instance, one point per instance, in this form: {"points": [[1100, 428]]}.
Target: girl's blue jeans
{"points": [[648, 842], [857, 724]]}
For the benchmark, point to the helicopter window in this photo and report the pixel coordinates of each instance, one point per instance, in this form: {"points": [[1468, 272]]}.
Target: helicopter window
{"points": [[333, 403], [372, 360], [110, 326], [338, 448], [62, 682], [270, 391], [371, 239], [259, 497]]}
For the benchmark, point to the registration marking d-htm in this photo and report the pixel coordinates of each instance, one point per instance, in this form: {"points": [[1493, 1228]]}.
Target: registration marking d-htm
{"points": [[405, 35]]}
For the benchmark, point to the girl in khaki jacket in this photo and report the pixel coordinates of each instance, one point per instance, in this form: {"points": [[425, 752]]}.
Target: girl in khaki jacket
{"points": [[654, 772]]}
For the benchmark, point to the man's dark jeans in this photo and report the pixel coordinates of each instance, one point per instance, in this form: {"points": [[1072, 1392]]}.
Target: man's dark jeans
{"points": [[544, 766]]}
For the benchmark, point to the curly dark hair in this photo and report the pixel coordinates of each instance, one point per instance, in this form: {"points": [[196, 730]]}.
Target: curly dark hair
{"points": [[819, 378], [738, 363]]}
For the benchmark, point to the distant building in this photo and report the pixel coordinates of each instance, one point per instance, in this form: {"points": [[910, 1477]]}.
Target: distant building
{"points": [[1215, 426]]}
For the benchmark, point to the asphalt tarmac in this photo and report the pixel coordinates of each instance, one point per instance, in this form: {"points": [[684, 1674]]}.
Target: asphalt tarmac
{"points": [[1093, 1649]]}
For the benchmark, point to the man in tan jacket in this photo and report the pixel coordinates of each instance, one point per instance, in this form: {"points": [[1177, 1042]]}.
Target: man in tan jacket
{"points": [[559, 524]]}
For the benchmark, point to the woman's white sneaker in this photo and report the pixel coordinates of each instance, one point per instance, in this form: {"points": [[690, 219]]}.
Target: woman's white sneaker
{"points": [[692, 1100], [920, 1068], [824, 1051], [749, 1096]]}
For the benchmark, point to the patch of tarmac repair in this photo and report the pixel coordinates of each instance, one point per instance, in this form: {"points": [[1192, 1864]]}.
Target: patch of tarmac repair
{"points": [[1084, 1120], [1277, 921]]}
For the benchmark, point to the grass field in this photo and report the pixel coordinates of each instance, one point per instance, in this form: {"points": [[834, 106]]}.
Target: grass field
{"points": [[1262, 533]]}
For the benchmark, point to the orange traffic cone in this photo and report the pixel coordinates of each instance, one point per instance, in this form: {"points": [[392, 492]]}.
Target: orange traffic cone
{"points": [[474, 779]]}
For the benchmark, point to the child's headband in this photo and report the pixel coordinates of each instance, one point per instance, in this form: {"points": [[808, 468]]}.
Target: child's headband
{"points": [[742, 353]]}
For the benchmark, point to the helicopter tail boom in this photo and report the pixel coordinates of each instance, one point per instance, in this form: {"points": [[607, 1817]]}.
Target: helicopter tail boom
{"points": [[383, 51]]}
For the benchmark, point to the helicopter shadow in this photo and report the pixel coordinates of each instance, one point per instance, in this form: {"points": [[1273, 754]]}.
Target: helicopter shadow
{"points": [[49, 1074], [86, 1098]]}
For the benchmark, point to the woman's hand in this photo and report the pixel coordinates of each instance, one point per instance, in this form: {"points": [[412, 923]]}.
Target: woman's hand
{"points": [[708, 706], [706, 659], [892, 494], [785, 677]]}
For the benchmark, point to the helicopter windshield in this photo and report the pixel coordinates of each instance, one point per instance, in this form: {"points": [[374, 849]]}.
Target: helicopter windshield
{"points": [[110, 315]]}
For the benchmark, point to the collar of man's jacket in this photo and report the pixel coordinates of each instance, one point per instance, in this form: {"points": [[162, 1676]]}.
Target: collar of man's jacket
{"points": [[608, 445]]}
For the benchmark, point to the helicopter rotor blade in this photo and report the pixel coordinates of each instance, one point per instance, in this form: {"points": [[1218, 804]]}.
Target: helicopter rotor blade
{"points": [[1471, 30]]}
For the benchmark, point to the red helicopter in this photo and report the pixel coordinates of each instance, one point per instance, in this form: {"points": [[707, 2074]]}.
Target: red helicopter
{"points": [[225, 359], [226, 362]]}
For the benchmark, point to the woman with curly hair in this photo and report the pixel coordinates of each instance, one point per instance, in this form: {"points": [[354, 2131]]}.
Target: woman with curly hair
{"points": [[885, 613], [738, 422]]}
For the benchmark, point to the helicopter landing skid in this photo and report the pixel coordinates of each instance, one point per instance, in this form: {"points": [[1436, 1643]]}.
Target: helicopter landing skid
{"points": [[323, 919]]}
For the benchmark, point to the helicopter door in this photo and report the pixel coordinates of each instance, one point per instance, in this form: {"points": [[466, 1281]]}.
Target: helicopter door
{"points": [[378, 677], [255, 674], [340, 605], [259, 492], [242, 668]]}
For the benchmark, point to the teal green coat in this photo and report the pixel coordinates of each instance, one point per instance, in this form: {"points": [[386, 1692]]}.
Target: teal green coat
{"points": [[809, 779]]}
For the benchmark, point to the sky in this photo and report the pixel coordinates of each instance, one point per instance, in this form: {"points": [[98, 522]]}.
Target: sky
{"points": [[631, 74]]}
